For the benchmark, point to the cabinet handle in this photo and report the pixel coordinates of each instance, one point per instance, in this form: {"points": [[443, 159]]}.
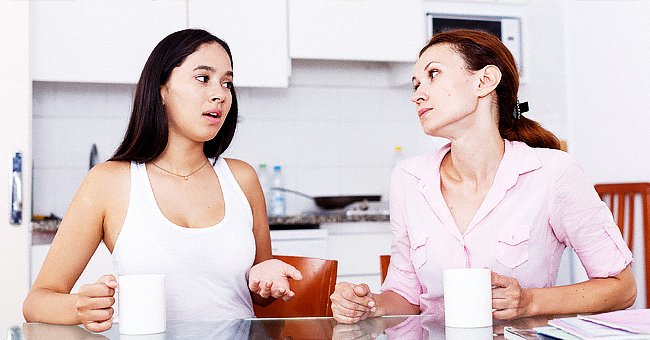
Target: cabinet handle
{"points": [[16, 189]]}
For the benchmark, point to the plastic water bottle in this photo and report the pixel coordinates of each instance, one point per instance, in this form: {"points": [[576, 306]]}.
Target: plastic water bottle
{"points": [[278, 200], [265, 181]]}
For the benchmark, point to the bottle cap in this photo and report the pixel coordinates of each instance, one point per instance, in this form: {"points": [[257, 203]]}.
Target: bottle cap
{"points": [[277, 168], [262, 165]]}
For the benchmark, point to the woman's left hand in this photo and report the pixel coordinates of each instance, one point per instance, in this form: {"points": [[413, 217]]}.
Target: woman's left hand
{"points": [[509, 300], [271, 278]]}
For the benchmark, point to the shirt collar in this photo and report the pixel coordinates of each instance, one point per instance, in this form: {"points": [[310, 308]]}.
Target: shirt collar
{"points": [[518, 159]]}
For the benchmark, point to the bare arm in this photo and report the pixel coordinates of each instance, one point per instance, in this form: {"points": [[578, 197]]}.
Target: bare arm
{"points": [[592, 296], [263, 293], [76, 240]]}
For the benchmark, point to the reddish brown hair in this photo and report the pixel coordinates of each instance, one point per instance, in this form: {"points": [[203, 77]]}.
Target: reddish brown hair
{"points": [[480, 49]]}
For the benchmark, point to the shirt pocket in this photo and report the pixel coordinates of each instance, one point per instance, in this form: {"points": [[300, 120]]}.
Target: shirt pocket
{"points": [[418, 250], [512, 248]]}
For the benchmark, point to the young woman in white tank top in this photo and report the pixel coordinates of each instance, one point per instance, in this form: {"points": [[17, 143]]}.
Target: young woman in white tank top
{"points": [[168, 203]]}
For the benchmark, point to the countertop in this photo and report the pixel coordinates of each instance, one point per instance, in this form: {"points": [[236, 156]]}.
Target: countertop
{"points": [[43, 231], [388, 327]]}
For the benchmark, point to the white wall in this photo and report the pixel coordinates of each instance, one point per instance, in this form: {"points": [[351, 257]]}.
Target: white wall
{"points": [[608, 83], [333, 129]]}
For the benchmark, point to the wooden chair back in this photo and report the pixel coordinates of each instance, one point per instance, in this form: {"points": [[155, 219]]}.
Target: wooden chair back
{"points": [[312, 292], [620, 197], [384, 262]]}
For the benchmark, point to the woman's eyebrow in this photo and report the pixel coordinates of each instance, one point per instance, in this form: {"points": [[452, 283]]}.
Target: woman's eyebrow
{"points": [[212, 70]]}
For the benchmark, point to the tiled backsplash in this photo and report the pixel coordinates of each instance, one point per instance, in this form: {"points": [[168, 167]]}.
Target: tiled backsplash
{"points": [[334, 138]]}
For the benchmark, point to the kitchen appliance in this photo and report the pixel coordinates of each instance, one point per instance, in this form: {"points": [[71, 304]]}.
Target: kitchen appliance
{"points": [[333, 202], [508, 29]]}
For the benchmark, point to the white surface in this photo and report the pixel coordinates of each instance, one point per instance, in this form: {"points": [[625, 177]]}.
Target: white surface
{"points": [[374, 30], [15, 127], [468, 297], [92, 41], [357, 246], [306, 242], [608, 81], [609, 122], [256, 32], [142, 304]]}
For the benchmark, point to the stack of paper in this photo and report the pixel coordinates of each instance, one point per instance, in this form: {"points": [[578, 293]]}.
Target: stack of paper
{"points": [[625, 324]]}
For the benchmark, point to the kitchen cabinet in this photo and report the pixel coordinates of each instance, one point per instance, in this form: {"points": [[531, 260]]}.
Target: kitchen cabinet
{"points": [[357, 246], [365, 30], [306, 242], [15, 122], [255, 30], [96, 41]]}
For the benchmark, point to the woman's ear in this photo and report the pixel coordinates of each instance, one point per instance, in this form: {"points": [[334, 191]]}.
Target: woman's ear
{"points": [[489, 79], [163, 93]]}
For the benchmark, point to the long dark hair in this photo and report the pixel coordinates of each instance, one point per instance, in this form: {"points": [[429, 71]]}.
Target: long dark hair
{"points": [[148, 131], [480, 49]]}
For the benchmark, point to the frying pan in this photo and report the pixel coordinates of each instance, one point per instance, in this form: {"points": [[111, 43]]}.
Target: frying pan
{"points": [[333, 202]]}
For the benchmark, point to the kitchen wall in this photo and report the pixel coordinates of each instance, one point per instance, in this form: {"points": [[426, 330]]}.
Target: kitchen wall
{"points": [[608, 81], [333, 130]]}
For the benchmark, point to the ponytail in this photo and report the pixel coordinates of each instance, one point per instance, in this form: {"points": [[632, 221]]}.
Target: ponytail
{"points": [[480, 49]]}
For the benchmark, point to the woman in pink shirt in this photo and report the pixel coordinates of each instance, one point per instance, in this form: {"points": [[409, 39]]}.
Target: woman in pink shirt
{"points": [[500, 195]]}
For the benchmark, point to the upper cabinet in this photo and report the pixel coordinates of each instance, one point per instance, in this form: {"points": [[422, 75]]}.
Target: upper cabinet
{"points": [[255, 30], [367, 30], [97, 41]]}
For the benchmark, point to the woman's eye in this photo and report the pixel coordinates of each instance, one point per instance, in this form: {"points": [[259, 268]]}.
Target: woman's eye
{"points": [[415, 87], [227, 84], [203, 78], [433, 73]]}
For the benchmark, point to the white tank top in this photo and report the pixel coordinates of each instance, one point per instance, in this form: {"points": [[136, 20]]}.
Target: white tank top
{"points": [[206, 268]]}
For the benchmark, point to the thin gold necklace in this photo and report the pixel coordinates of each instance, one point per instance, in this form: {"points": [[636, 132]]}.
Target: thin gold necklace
{"points": [[185, 177]]}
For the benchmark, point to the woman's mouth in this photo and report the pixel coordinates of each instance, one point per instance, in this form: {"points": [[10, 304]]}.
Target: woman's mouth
{"points": [[423, 110], [213, 116]]}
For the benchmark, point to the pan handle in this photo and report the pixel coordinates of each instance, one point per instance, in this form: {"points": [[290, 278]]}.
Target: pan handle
{"points": [[292, 192]]}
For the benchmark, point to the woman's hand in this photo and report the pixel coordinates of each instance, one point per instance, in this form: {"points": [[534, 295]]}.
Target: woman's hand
{"points": [[271, 278], [94, 303], [509, 300], [352, 303]]}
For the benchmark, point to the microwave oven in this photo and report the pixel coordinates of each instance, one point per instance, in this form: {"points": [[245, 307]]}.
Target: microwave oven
{"points": [[508, 29]]}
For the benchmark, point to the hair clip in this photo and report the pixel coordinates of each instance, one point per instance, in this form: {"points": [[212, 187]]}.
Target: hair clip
{"points": [[519, 109]]}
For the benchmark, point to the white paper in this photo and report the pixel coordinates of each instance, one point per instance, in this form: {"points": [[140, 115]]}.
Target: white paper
{"points": [[468, 297], [141, 302]]}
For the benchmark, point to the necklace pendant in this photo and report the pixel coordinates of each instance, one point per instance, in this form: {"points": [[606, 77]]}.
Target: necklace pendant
{"points": [[186, 177]]}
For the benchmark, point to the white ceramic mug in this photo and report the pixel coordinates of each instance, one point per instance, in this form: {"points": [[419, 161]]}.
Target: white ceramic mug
{"points": [[468, 297], [141, 304]]}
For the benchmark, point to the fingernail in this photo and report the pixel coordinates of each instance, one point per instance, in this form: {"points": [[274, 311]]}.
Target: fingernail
{"points": [[371, 304], [373, 309]]}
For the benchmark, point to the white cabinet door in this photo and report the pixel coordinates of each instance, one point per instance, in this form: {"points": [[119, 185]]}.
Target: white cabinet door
{"points": [[357, 246], [308, 243], [99, 41], [15, 127], [255, 30], [369, 30]]}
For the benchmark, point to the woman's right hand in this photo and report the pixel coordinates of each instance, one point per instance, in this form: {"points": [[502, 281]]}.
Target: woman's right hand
{"points": [[352, 303], [94, 303]]}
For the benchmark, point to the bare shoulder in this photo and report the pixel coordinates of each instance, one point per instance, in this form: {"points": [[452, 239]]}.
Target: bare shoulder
{"points": [[108, 177], [244, 173]]}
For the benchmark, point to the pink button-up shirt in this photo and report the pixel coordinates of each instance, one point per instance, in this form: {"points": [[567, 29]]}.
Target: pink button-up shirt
{"points": [[540, 202]]}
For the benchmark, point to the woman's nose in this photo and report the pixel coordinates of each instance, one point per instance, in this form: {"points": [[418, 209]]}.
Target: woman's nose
{"points": [[218, 95], [418, 96]]}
